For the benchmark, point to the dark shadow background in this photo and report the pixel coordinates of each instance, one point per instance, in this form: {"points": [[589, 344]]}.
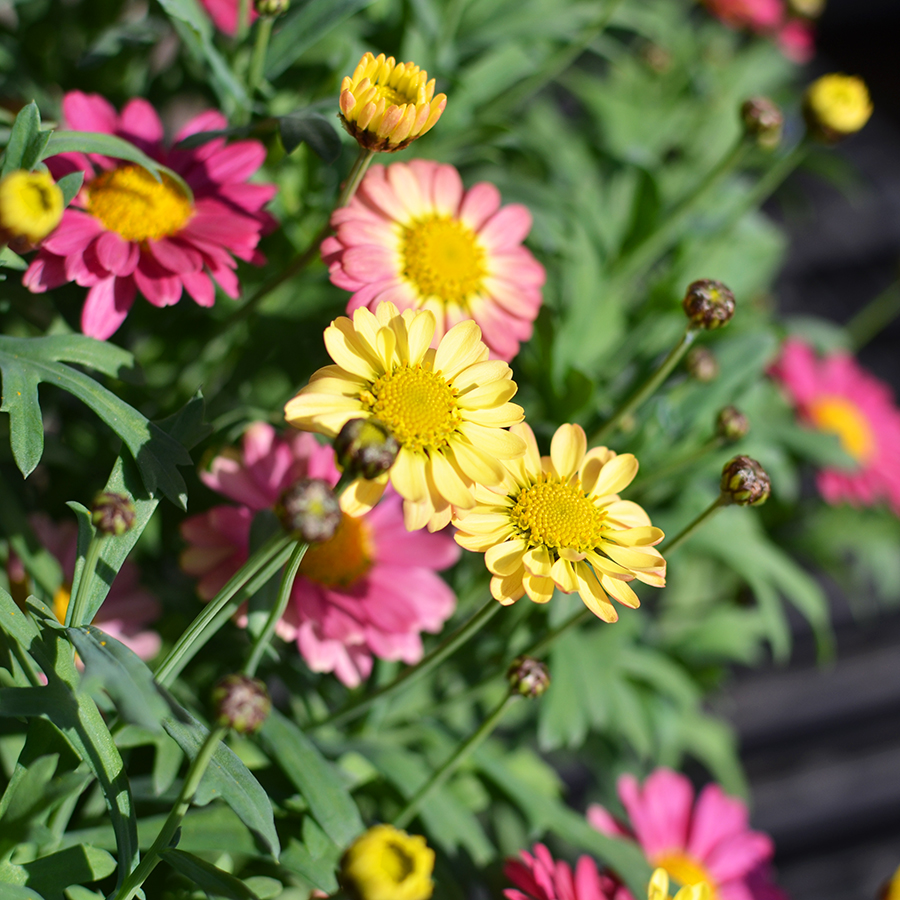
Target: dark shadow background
{"points": [[822, 746]]}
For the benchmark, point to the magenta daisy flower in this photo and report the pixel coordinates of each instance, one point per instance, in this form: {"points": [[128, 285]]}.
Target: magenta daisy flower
{"points": [[126, 232], [836, 395], [413, 236], [540, 877], [761, 16], [369, 591], [128, 607], [704, 841], [224, 14]]}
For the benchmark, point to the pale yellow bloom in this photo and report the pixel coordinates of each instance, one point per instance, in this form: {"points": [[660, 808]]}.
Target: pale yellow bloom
{"points": [[658, 889], [837, 105], [560, 523], [31, 206], [448, 408], [388, 864], [386, 105]]}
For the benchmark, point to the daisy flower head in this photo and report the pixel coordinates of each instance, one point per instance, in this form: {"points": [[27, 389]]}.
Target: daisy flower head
{"points": [[413, 236], [386, 105], [559, 523], [697, 841], [368, 591], [836, 106], [31, 205], [538, 876], [835, 394], [448, 407], [126, 232]]}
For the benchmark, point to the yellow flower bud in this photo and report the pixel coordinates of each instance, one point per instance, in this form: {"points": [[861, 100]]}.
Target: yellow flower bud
{"points": [[31, 206], [837, 105], [388, 864]]}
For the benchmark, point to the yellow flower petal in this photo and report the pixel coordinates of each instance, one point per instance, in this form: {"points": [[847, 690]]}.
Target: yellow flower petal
{"points": [[508, 588], [538, 561], [627, 514], [490, 394], [500, 444], [658, 889], [539, 588], [621, 591], [350, 353], [593, 595], [481, 373], [449, 482], [477, 465], [460, 348], [408, 475], [646, 535], [567, 450], [563, 574], [593, 463], [505, 558], [416, 515], [616, 474], [361, 495]]}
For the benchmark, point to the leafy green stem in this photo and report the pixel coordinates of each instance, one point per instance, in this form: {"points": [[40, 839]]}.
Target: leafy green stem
{"points": [[76, 609], [355, 177]]}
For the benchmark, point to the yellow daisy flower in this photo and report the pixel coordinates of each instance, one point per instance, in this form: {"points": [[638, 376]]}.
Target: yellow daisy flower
{"points": [[386, 863], [658, 889], [448, 408], [560, 523]]}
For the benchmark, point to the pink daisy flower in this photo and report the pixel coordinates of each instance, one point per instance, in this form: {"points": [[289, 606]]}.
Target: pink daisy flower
{"points": [[224, 14], [369, 591], [796, 38], [540, 877], [707, 840], [835, 394], [759, 15], [413, 236], [125, 232], [128, 607]]}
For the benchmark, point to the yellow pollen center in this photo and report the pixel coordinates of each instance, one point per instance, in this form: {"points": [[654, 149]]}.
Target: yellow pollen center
{"points": [[443, 258], [131, 202], [418, 405], [686, 871], [557, 515], [843, 418], [342, 560], [61, 602], [392, 96], [396, 863]]}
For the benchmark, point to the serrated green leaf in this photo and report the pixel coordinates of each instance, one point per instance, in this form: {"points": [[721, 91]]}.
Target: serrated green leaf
{"points": [[229, 779], [208, 877], [123, 675], [17, 892], [316, 778]]}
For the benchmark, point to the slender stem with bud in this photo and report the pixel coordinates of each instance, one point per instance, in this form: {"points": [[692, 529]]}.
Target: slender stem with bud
{"points": [[721, 501], [260, 49], [407, 814], [77, 608], [648, 388]]}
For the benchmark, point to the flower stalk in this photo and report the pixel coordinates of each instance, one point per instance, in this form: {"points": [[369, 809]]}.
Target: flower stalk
{"points": [[355, 177], [260, 49], [76, 611]]}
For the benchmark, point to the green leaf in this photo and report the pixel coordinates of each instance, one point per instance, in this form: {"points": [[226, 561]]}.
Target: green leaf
{"points": [[25, 141], [26, 362], [311, 128], [11, 260], [17, 892], [123, 675], [316, 859], [207, 877], [229, 779], [304, 26], [52, 874], [105, 145], [70, 185], [316, 778]]}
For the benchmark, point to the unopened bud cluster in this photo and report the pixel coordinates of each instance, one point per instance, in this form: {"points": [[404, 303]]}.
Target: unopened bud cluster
{"points": [[528, 676], [365, 448], [309, 510], [113, 514], [732, 424], [763, 120], [271, 9], [745, 482], [708, 304], [241, 703]]}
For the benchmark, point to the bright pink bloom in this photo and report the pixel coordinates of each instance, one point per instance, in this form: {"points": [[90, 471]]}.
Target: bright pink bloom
{"points": [[797, 41], [540, 877], [127, 608], [369, 591], [760, 16], [126, 232], [704, 841], [835, 394], [225, 14], [414, 236]]}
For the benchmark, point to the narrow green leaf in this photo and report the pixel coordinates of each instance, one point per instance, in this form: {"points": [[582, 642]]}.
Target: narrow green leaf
{"points": [[311, 128], [24, 135], [123, 675], [11, 260], [104, 144], [70, 185], [228, 778], [26, 701], [316, 778], [16, 623], [26, 425], [208, 877]]}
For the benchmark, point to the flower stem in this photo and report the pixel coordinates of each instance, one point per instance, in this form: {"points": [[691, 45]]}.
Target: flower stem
{"points": [[277, 611], [133, 882], [258, 59], [649, 387], [243, 21], [355, 177], [448, 646], [450, 765], [75, 612], [874, 316], [721, 501], [263, 563]]}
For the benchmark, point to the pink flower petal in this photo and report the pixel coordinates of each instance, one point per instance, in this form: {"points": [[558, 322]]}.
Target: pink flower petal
{"points": [[140, 123], [106, 306], [89, 112]]}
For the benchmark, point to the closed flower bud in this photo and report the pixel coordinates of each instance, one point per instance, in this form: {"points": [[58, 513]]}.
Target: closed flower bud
{"points": [[763, 120], [702, 364], [365, 448], [113, 514], [836, 106], [386, 863], [310, 510], [528, 676], [745, 482], [732, 424], [271, 9], [31, 206], [708, 304], [241, 703]]}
